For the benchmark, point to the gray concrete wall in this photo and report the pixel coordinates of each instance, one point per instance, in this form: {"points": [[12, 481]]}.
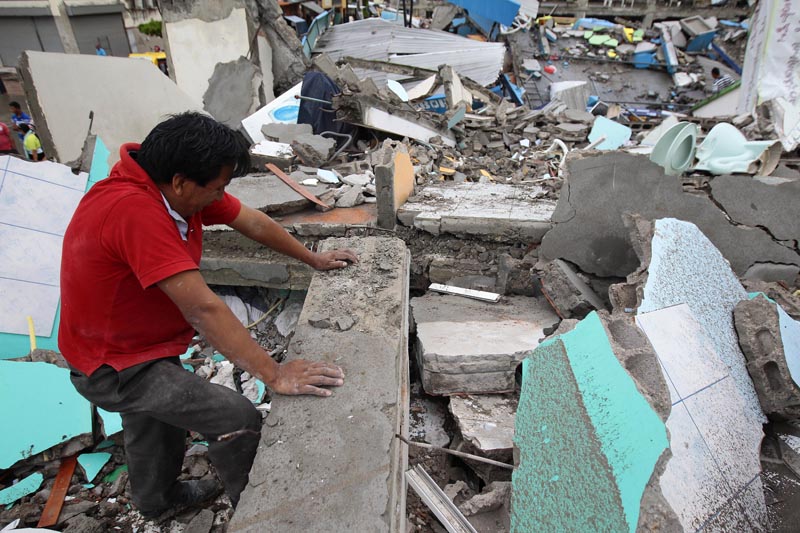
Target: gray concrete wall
{"points": [[128, 98], [200, 38]]}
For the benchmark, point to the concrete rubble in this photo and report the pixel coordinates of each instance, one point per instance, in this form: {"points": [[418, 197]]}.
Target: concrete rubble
{"points": [[770, 341], [465, 346], [639, 370]]}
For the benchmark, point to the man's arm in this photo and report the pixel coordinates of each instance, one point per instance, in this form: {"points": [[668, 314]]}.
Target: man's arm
{"points": [[214, 320], [261, 228]]}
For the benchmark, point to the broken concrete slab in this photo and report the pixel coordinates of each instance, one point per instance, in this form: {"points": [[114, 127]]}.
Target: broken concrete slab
{"points": [[127, 96], [492, 211], [267, 193], [574, 94], [583, 427], [770, 340], [760, 201], [468, 346], [232, 92], [335, 462], [285, 133], [231, 259], [313, 150], [351, 198], [374, 113], [715, 466], [486, 421], [588, 229], [568, 293]]}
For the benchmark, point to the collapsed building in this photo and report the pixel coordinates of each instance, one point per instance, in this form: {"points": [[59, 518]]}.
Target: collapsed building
{"points": [[576, 302]]}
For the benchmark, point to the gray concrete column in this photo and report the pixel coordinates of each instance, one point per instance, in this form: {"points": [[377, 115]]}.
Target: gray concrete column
{"points": [[64, 27], [650, 14], [581, 6]]}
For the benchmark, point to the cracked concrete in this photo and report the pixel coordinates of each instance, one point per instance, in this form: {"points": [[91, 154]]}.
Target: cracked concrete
{"points": [[769, 341], [588, 229], [334, 464], [761, 201], [467, 346], [491, 211], [232, 92]]}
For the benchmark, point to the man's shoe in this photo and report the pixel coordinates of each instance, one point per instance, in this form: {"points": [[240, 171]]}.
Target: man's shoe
{"points": [[186, 494]]}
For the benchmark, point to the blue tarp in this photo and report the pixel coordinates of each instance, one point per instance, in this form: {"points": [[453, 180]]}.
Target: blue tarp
{"points": [[502, 11]]}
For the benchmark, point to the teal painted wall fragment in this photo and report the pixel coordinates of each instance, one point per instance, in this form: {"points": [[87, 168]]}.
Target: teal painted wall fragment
{"points": [[99, 169], [563, 482], [93, 463], [26, 486], [41, 408], [13, 345], [582, 421]]}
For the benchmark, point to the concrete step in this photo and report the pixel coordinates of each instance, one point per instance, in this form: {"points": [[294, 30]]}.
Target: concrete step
{"points": [[333, 464]]}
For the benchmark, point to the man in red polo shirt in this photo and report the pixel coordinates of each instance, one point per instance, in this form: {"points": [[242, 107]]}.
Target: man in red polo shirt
{"points": [[132, 298]]}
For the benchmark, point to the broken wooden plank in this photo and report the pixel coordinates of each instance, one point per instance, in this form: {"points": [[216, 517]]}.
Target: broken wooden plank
{"points": [[52, 508]]}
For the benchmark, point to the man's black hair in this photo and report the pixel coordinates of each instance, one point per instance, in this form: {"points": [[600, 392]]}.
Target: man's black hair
{"points": [[715, 71], [24, 127], [15, 105], [194, 145]]}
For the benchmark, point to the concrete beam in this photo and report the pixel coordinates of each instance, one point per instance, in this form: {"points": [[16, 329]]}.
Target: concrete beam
{"points": [[333, 464]]}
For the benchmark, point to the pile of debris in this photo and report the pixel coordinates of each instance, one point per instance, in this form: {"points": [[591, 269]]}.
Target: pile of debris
{"points": [[604, 273]]}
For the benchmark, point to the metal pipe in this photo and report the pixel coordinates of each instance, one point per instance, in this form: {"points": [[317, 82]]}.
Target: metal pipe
{"points": [[454, 452]]}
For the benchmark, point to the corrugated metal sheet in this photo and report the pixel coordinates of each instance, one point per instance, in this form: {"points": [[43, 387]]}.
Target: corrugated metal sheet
{"points": [[379, 40]]}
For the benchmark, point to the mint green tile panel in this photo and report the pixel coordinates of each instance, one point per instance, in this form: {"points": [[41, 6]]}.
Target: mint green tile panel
{"points": [[633, 436], [13, 345], [93, 463], [575, 387], [22, 488], [41, 408], [563, 482], [99, 169]]}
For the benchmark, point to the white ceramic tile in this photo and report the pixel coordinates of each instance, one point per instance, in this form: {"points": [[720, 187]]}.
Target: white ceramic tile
{"points": [[685, 267], [692, 483], [790, 336], [48, 171], [683, 348], [752, 500], [36, 204], [20, 300], [730, 518], [673, 392], [733, 438], [28, 255]]}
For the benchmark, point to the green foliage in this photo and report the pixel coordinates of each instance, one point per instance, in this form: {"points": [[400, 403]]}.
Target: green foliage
{"points": [[152, 28]]}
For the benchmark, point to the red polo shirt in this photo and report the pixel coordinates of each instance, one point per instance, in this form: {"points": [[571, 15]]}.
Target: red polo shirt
{"points": [[120, 243]]}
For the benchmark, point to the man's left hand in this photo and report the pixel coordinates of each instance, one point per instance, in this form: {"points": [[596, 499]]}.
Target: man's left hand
{"points": [[334, 259]]}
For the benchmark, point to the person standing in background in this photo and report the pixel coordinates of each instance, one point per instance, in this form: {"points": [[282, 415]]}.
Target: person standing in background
{"points": [[6, 144], [32, 144]]}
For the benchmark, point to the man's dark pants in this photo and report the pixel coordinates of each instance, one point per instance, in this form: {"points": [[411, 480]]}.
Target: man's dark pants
{"points": [[159, 401]]}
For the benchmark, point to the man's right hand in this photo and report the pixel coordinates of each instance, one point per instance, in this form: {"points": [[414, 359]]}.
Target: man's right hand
{"points": [[305, 377]]}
